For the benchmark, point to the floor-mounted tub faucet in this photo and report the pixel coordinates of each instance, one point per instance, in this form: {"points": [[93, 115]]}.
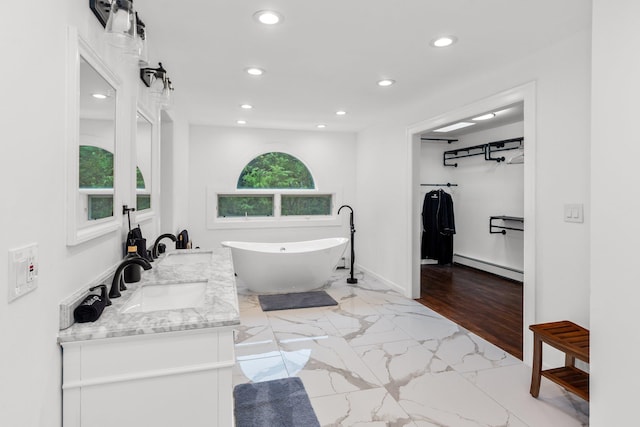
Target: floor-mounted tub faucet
{"points": [[353, 230], [154, 251], [116, 283]]}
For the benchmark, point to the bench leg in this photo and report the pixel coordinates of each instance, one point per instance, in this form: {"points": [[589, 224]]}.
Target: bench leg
{"points": [[537, 366], [569, 360]]}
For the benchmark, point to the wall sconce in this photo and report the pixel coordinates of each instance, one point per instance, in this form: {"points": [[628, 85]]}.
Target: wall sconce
{"points": [[159, 84], [143, 53], [119, 21]]}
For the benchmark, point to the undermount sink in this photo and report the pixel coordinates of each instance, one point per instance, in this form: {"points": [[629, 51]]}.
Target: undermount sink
{"points": [[187, 258], [171, 296]]}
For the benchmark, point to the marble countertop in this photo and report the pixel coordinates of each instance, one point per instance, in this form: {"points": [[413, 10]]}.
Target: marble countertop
{"points": [[220, 307]]}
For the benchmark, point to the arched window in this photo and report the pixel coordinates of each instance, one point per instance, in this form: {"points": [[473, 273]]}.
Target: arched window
{"points": [[291, 182], [276, 170]]}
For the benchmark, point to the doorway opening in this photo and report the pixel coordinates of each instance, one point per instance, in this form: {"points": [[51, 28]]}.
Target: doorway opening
{"points": [[486, 203]]}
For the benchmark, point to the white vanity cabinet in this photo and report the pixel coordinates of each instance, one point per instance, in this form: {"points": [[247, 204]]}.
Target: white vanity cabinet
{"points": [[167, 379]]}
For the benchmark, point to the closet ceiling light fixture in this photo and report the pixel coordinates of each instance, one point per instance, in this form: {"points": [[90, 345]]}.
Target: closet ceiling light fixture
{"points": [[99, 95], [268, 17], [443, 41], [241, 122], [485, 117], [386, 82], [246, 106], [254, 71], [454, 126]]}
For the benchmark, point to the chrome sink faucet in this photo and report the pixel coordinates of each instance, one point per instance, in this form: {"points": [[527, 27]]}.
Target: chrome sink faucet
{"points": [[116, 284], [154, 251]]}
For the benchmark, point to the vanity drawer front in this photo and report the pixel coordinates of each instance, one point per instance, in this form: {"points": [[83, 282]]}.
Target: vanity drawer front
{"points": [[116, 359]]}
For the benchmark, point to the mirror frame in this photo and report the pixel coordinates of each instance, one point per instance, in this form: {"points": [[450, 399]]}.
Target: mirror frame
{"points": [[148, 214], [80, 48]]}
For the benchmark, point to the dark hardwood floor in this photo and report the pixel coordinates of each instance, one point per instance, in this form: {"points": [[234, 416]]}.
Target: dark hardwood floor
{"points": [[487, 305]]}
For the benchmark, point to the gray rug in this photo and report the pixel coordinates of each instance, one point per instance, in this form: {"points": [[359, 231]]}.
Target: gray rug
{"points": [[281, 403], [295, 300]]}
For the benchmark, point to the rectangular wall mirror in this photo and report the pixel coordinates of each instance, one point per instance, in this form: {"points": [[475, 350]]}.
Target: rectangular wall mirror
{"points": [[144, 162], [92, 176]]}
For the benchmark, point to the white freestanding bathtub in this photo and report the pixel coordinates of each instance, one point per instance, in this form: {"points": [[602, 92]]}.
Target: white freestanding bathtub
{"points": [[286, 267]]}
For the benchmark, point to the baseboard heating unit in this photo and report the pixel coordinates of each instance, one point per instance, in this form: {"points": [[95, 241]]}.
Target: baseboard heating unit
{"points": [[500, 270]]}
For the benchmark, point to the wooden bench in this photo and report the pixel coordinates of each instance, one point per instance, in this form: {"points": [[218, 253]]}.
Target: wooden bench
{"points": [[571, 339]]}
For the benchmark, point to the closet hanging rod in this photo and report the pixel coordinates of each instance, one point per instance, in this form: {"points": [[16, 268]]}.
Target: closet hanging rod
{"points": [[483, 149], [449, 141], [448, 184]]}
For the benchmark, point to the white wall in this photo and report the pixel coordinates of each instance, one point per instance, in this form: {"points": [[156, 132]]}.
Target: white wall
{"points": [[33, 180], [218, 155], [561, 73], [615, 152], [485, 188]]}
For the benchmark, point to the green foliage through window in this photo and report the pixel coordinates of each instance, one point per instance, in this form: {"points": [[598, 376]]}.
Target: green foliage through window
{"points": [[143, 201], [139, 179], [235, 206], [276, 170], [100, 207], [96, 167], [305, 205]]}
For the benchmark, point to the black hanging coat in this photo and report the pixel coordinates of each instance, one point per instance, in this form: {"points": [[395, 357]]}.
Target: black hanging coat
{"points": [[438, 227]]}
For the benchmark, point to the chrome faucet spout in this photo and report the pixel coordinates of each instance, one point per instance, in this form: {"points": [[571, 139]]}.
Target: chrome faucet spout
{"points": [[114, 292], [154, 251]]}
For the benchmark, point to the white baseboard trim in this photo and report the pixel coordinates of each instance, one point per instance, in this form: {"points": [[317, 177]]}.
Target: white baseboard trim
{"points": [[379, 278], [508, 272]]}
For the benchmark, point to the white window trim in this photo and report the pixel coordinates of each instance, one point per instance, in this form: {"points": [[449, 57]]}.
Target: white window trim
{"points": [[276, 221]]}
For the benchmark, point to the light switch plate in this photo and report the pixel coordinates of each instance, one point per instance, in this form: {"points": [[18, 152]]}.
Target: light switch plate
{"points": [[574, 213], [23, 271]]}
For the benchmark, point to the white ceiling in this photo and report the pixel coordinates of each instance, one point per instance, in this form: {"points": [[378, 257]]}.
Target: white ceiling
{"points": [[328, 54], [504, 115]]}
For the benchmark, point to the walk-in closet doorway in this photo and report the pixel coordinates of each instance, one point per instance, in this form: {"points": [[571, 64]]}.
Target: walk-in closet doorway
{"points": [[522, 97]]}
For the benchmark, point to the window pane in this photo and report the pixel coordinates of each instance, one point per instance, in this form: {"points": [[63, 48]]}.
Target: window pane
{"points": [[306, 205], [143, 160], [143, 201], [100, 207], [96, 167], [275, 170], [234, 206]]}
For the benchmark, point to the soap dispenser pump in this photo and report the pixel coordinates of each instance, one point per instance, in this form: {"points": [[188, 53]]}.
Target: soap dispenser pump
{"points": [[133, 272]]}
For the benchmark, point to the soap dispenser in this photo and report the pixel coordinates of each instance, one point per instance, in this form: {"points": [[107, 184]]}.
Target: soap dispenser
{"points": [[133, 272]]}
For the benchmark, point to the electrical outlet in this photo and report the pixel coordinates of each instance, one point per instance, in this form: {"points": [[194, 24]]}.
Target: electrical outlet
{"points": [[23, 270]]}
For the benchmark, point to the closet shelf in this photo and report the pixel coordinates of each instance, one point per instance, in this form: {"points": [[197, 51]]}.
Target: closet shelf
{"points": [[487, 150], [502, 228]]}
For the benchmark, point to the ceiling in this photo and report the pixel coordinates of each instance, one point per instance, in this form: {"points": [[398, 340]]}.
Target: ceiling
{"points": [[504, 115], [327, 55]]}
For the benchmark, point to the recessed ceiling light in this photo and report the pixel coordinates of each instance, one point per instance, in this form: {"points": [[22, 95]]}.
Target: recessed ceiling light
{"points": [[443, 41], [454, 126], [99, 95], [268, 17], [386, 82], [485, 116], [241, 122], [254, 71], [246, 106], [341, 113], [321, 126]]}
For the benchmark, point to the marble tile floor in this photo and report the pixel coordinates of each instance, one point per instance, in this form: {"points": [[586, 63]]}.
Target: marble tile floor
{"points": [[380, 359]]}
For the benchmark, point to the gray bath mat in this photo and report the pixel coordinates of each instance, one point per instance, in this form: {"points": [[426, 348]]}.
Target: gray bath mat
{"points": [[295, 300], [282, 403]]}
